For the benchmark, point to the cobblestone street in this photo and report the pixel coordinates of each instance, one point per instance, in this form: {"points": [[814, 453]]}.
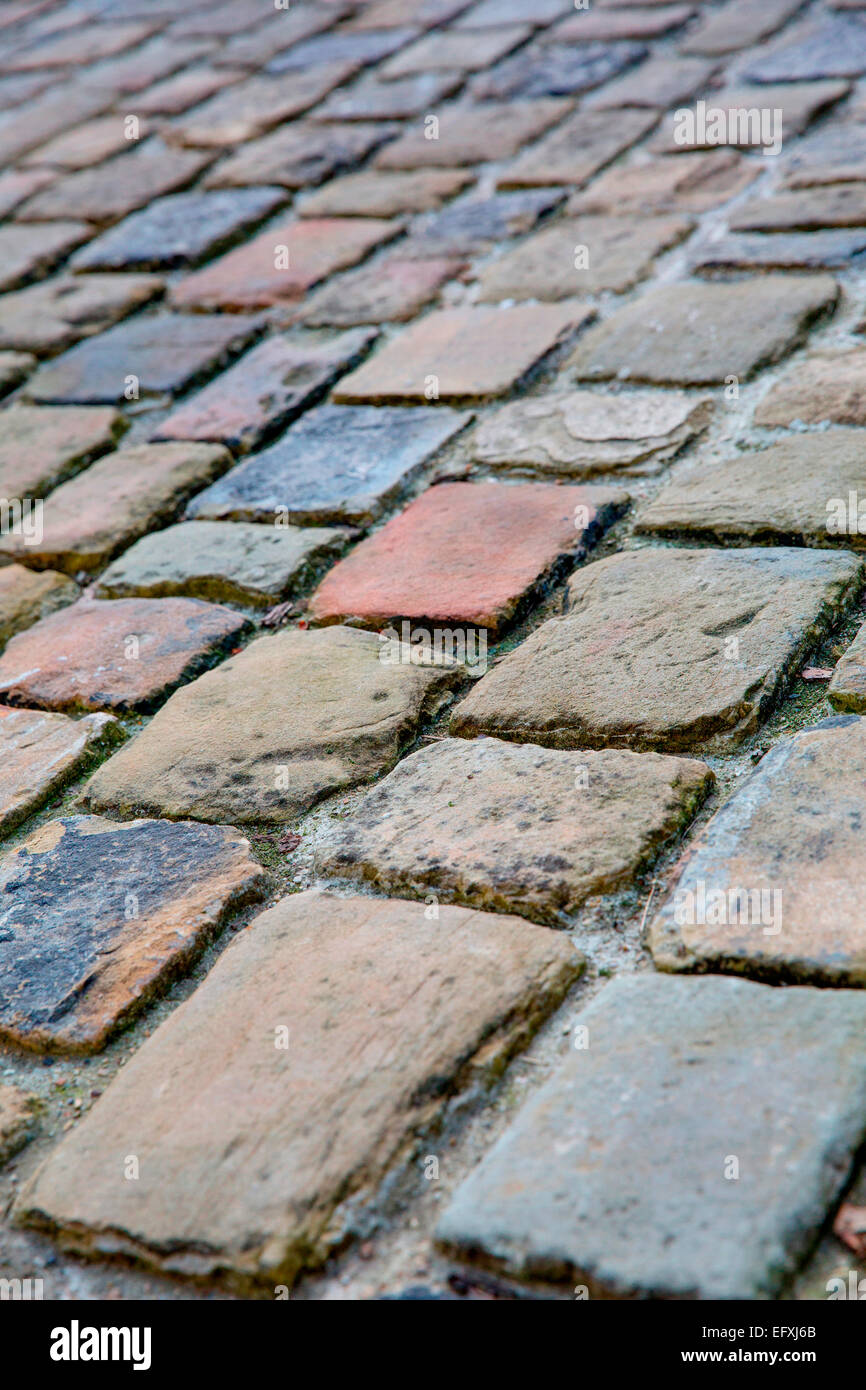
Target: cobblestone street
{"points": [[432, 649]]}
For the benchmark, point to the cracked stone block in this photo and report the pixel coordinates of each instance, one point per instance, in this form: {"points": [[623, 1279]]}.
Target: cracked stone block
{"points": [[180, 230], [584, 432], [512, 827], [697, 333], [466, 553], [472, 134], [613, 1175], [796, 491], [50, 316], [337, 463], [40, 445], [114, 189], [239, 1177], [224, 561], [555, 70], [770, 886], [267, 388], [391, 290], [28, 252], [18, 1120], [40, 753], [830, 46], [263, 737], [578, 148], [281, 265], [700, 644], [462, 354], [825, 386], [585, 256], [98, 918], [370, 193], [164, 354], [88, 519], [847, 689], [27, 596], [299, 155], [122, 654]]}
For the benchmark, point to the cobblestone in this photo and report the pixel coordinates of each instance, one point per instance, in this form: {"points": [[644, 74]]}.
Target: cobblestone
{"points": [[790, 833], [144, 356], [113, 502], [462, 354], [42, 446], [826, 386], [694, 334], [269, 733], [226, 562], [794, 491], [42, 752], [267, 388], [338, 463], [751, 614], [123, 655], [180, 230], [18, 1120], [575, 432], [254, 276], [452, 556], [531, 335], [76, 962], [514, 828], [53, 315], [268, 1200], [563, 1192]]}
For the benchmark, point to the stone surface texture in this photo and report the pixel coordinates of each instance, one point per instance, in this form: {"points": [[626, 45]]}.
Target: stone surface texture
{"points": [[598, 1152], [77, 960], [263, 1206], [452, 556], [514, 828], [123, 655], [430, 445], [40, 753], [743, 619], [267, 734]]}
